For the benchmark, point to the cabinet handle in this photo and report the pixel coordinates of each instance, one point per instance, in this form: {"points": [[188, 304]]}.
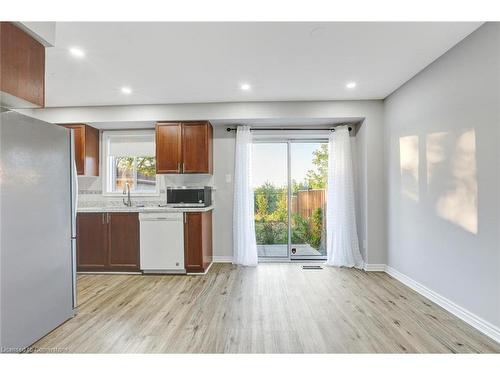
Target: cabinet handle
{"points": [[179, 167], [107, 218], [185, 220], [182, 167], [103, 218]]}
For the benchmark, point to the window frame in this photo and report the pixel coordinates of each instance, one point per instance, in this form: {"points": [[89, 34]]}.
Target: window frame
{"points": [[108, 164]]}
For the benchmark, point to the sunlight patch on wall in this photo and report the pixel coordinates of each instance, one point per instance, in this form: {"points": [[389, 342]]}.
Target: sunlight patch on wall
{"points": [[408, 159], [435, 153], [459, 204]]}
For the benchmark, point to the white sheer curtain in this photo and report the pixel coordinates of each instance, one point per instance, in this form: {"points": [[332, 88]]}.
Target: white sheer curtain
{"points": [[244, 243], [341, 234]]}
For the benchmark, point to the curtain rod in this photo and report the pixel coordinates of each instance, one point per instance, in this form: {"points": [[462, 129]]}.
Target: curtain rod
{"points": [[289, 129]]}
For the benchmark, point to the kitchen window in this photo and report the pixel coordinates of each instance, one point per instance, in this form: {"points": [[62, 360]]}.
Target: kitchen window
{"points": [[129, 158]]}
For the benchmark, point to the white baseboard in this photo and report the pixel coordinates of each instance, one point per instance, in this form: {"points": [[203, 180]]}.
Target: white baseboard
{"points": [[200, 273], [374, 267], [222, 259], [475, 321]]}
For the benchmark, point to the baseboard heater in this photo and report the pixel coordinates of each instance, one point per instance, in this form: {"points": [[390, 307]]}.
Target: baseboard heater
{"points": [[312, 267]]}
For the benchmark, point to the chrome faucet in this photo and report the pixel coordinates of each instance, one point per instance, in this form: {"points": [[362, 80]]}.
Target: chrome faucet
{"points": [[126, 190]]}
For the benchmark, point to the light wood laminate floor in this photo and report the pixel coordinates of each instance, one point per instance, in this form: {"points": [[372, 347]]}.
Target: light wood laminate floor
{"points": [[271, 308]]}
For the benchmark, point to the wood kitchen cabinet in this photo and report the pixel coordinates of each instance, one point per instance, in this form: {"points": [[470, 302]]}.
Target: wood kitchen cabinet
{"points": [[86, 149], [91, 242], [184, 147], [22, 68], [168, 148], [123, 244], [107, 241], [197, 241]]}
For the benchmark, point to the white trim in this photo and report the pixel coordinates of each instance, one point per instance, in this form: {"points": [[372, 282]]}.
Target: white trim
{"points": [[222, 259], [374, 267], [106, 179], [200, 273], [475, 321], [164, 272], [109, 273]]}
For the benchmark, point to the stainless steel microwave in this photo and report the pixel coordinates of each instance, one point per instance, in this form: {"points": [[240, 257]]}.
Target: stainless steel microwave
{"points": [[183, 196]]}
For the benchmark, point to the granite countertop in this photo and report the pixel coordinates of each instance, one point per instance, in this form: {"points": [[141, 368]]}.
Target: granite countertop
{"points": [[144, 209]]}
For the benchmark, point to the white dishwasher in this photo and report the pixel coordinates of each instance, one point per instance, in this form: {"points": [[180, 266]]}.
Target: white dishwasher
{"points": [[162, 242]]}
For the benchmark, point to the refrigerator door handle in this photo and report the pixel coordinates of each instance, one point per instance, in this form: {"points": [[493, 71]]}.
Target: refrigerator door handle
{"points": [[74, 184], [74, 204]]}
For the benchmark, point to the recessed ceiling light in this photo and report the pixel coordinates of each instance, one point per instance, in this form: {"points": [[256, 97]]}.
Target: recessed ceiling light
{"points": [[77, 52], [350, 85], [245, 87], [126, 90]]}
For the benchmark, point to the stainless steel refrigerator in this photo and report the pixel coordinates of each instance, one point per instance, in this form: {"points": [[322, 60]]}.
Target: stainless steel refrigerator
{"points": [[38, 191]]}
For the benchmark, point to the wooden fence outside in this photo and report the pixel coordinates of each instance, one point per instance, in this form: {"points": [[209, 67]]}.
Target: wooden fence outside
{"points": [[306, 201]]}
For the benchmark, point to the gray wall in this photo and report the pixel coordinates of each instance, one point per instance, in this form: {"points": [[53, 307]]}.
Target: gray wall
{"points": [[224, 143], [442, 137]]}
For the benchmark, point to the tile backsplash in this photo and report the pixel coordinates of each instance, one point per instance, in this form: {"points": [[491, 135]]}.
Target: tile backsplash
{"points": [[90, 190]]}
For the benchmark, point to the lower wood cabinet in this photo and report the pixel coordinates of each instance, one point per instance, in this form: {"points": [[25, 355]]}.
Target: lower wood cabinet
{"points": [[108, 241], [197, 241]]}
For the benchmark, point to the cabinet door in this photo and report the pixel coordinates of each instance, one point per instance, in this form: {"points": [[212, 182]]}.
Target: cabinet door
{"points": [[86, 149], [22, 68], [91, 154], [168, 148], [197, 147], [123, 232], [206, 234], [79, 137], [197, 241], [91, 242], [193, 254]]}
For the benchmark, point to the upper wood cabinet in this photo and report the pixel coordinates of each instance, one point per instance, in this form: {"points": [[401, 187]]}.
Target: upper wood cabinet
{"points": [[197, 138], [168, 148], [184, 147], [22, 68], [86, 149]]}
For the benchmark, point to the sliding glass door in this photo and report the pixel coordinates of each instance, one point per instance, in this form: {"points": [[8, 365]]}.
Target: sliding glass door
{"points": [[289, 182], [270, 185], [308, 169]]}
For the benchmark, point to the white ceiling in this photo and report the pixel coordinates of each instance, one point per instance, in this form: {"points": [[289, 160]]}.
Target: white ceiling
{"points": [[207, 62]]}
